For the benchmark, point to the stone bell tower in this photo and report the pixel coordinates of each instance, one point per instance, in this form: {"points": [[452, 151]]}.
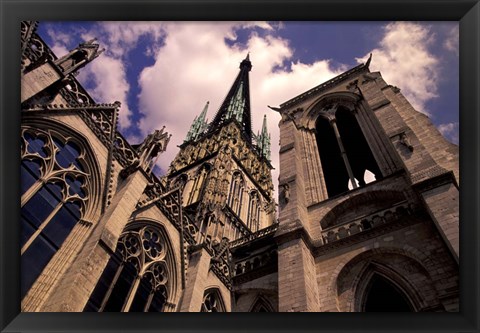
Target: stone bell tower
{"points": [[223, 169], [368, 201]]}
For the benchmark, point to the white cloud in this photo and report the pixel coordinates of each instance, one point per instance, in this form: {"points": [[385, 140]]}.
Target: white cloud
{"points": [[450, 131], [195, 65], [451, 41], [59, 49], [404, 59], [121, 37], [59, 37], [195, 62], [107, 74]]}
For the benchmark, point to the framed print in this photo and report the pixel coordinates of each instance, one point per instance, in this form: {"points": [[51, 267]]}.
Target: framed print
{"points": [[314, 159]]}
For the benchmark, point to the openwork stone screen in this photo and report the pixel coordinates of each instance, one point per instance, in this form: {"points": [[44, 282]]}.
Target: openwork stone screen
{"points": [[136, 277], [212, 302], [54, 187]]}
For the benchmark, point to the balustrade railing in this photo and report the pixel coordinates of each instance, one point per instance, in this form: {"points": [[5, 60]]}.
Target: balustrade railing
{"points": [[368, 222]]}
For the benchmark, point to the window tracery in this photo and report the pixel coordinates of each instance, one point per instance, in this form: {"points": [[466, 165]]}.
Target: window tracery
{"points": [[212, 302], [54, 187], [199, 184], [254, 205], [138, 277], [236, 193], [344, 152]]}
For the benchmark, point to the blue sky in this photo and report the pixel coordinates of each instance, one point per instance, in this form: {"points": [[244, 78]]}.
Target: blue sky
{"points": [[165, 72]]}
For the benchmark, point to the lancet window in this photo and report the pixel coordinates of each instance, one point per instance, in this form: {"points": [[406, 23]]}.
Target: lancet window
{"points": [[198, 184], [235, 196], [55, 191], [384, 296], [253, 220], [138, 276], [346, 158], [212, 302], [261, 305]]}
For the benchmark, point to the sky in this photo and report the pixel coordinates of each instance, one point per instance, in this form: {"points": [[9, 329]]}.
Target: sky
{"points": [[163, 73]]}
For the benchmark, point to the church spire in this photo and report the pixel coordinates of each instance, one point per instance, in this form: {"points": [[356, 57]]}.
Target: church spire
{"points": [[263, 140], [199, 125], [237, 103]]}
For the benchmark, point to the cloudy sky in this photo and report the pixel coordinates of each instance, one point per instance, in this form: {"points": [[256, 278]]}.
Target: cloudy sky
{"points": [[163, 73]]}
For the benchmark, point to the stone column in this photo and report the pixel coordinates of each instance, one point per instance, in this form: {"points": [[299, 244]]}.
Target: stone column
{"points": [[197, 274], [443, 206], [297, 278]]}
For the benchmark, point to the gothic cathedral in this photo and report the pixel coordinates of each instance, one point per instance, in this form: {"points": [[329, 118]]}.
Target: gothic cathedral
{"points": [[366, 219]]}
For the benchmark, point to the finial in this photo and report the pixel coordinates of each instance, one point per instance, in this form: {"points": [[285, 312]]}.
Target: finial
{"points": [[369, 60], [246, 63]]}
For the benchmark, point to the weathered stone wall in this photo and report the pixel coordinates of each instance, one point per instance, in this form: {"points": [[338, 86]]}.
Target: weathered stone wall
{"points": [[415, 253], [410, 151], [264, 289]]}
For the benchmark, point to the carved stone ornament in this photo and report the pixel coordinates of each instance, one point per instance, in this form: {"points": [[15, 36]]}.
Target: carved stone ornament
{"points": [[404, 140], [286, 193]]}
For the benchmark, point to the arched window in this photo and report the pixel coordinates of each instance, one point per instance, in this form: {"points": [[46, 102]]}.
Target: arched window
{"points": [[180, 181], [344, 152], [261, 305], [138, 276], [199, 184], [212, 301], [54, 187], [235, 195], [253, 220], [383, 296]]}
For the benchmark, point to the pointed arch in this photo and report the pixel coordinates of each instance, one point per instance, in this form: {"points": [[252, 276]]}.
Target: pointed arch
{"points": [[212, 301], [261, 304], [61, 187], [345, 99], [378, 281], [348, 139], [199, 182], [235, 196], [254, 206], [405, 270], [141, 276]]}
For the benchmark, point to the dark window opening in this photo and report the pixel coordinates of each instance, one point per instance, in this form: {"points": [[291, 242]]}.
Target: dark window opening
{"points": [[359, 154], [334, 170], [344, 131], [135, 276], [383, 296], [121, 289], [50, 214]]}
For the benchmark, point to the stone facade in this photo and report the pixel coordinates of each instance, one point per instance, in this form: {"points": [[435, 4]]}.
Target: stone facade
{"points": [[205, 237], [403, 226]]}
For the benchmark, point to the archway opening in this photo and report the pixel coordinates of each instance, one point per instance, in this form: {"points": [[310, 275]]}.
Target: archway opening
{"points": [[384, 296], [345, 154], [333, 166], [359, 153]]}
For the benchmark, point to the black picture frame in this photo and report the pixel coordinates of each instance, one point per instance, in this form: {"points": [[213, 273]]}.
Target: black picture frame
{"points": [[467, 12]]}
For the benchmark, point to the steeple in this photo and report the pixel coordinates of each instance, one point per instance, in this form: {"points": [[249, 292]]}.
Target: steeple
{"points": [[199, 125], [263, 140], [237, 103]]}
